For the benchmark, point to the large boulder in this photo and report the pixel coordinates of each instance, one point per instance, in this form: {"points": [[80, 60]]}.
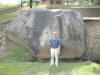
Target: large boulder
{"points": [[35, 27]]}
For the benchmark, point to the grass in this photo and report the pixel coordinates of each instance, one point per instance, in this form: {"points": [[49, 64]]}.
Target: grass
{"points": [[37, 68], [6, 18], [5, 15], [91, 69]]}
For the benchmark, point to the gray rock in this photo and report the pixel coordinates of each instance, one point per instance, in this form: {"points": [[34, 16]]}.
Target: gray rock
{"points": [[93, 39], [35, 26]]}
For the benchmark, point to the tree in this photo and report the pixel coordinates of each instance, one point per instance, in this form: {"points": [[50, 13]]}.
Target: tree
{"points": [[30, 3], [51, 1], [67, 2], [21, 3]]}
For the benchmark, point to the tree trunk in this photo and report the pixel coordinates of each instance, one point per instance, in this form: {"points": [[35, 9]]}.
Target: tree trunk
{"points": [[51, 1], [30, 3], [21, 3], [67, 2]]}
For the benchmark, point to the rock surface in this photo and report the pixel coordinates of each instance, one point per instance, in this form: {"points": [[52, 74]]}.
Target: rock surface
{"points": [[35, 26], [93, 39]]}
